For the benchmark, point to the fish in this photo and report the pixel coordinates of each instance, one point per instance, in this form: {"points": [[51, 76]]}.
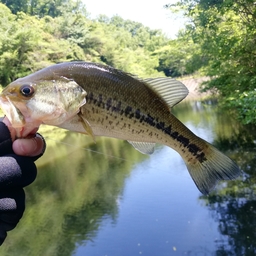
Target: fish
{"points": [[99, 100]]}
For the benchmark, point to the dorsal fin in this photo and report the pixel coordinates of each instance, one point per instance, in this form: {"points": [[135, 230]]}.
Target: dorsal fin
{"points": [[143, 147], [169, 89]]}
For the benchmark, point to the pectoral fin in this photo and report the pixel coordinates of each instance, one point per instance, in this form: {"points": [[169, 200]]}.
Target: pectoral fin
{"points": [[86, 126], [143, 147], [78, 124]]}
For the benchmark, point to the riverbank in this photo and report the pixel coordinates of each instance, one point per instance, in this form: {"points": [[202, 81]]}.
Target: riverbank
{"points": [[193, 84]]}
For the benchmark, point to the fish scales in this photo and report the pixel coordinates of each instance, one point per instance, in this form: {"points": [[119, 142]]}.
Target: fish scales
{"points": [[122, 106], [133, 109]]}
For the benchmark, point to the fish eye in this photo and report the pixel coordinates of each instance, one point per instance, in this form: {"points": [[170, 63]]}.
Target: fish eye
{"points": [[27, 90]]}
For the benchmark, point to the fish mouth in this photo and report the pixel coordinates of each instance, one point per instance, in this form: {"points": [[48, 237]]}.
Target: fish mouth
{"points": [[9, 94], [4, 100], [11, 111]]}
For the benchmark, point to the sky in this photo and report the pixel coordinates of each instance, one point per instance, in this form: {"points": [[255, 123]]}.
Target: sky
{"points": [[150, 13]]}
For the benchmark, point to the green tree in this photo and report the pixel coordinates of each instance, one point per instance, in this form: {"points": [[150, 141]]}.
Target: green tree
{"points": [[26, 45], [225, 31], [180, 56], [73, 25], [16, 5], [35, 35], [127, 45], [43, 8]]}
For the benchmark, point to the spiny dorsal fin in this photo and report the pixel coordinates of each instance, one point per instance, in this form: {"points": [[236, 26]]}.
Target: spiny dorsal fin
{"points": [[143, 147], [169, 89]]}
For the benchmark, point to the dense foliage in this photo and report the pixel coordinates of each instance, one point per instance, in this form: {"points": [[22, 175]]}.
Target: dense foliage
{"points": [[225, 32], [219, 41], [33, 35]]}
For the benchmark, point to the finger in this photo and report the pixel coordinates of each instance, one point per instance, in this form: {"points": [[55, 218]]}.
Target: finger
{"points": [[29, 147], [12, 206], [11, 129], [16, 171]]}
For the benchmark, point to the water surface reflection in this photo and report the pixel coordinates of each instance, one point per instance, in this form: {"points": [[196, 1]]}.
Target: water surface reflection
{"points": [[86, 203]]}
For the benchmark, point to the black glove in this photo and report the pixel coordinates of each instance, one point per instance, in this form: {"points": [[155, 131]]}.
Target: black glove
{"points": [[16, 172]]}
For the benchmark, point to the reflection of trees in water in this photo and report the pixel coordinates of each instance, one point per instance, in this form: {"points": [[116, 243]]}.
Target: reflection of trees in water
{"points": [[75, 191], [237, 221], [234, 206]]}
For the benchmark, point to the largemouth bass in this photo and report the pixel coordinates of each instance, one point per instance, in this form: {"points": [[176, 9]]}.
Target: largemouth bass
{"points": [[99, 100]]}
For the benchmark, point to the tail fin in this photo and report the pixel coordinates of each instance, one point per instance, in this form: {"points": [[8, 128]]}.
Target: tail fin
{"points": [[216, 167]]}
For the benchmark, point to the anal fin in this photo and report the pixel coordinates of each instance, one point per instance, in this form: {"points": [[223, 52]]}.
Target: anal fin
{"points": [[143, 147]]}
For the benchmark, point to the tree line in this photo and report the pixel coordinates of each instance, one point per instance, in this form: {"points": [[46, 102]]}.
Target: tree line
{"points": [[36, 33], [218, 42]]}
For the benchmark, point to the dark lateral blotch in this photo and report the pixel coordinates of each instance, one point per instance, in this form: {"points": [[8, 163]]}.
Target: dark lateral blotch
{"points": [[137, 114], [150, 120], [109, 103], [183, 140], [160, 126], [127, 110], [168, 130], [90, 97], [193, 149]]}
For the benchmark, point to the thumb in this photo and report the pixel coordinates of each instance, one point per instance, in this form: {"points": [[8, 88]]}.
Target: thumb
{"points": [[29, 147]]}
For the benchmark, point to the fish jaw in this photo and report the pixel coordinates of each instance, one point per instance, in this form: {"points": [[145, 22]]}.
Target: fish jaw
{"points": [[18, 122]]}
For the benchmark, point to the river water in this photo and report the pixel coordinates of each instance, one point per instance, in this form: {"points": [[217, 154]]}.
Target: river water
{"points": [[107, 199]]}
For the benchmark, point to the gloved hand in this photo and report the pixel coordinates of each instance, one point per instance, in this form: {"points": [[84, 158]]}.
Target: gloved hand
{"points": [[17, 170]]}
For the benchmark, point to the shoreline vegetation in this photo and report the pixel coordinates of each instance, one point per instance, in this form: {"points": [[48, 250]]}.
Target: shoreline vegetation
{"points": [[218, 42]]}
